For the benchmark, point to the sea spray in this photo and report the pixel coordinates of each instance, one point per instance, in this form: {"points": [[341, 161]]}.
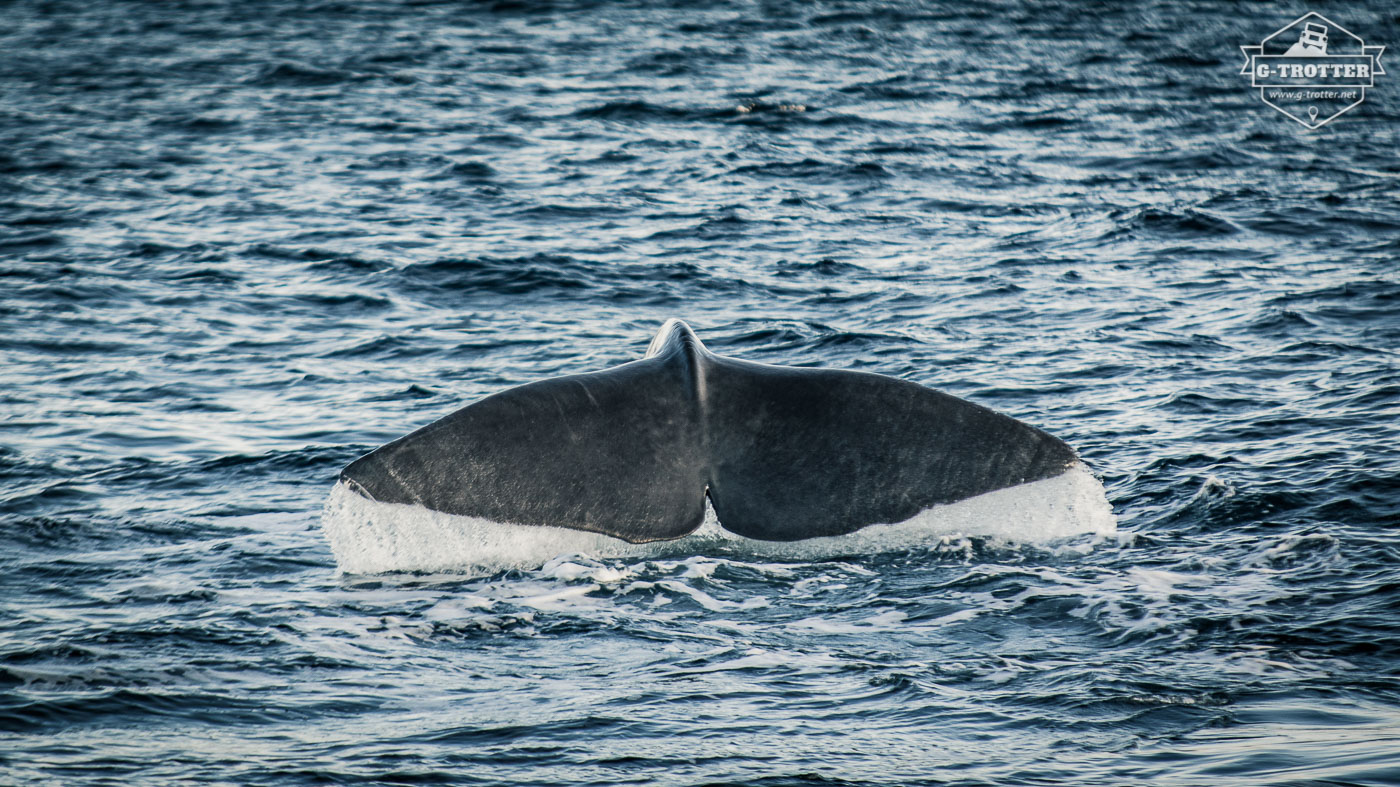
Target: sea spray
{"points": [[368, 536]]}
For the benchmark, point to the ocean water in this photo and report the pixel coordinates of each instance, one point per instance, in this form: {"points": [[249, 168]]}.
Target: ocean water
{"points": [[243, 243]]}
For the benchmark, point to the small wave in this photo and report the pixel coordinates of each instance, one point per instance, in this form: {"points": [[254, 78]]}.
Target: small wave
{"points": [[897, 88], [1365, 291], [825, 266], [300, 460], [347, 301], [1223, 157], [381, 347], [502, 275], [466, 170], [299, 74], [819, 171], [1182, 222], [369, 537], [197, 123], [204, 276], [30, 240], [397, 160], [1027, 120], [638, 110]]}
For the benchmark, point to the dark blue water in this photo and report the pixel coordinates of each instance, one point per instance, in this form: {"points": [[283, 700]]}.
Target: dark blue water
{"points": [[242, 243]]}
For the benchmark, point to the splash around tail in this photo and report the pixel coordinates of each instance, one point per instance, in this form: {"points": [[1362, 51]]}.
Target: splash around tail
{"points": [[369, 537]]}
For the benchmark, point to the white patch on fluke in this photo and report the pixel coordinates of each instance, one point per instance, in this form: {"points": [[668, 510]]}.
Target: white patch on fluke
{"points": [[369, 537]]}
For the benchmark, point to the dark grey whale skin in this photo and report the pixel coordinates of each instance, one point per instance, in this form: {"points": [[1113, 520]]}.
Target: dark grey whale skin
{"points": [[783, 453]]}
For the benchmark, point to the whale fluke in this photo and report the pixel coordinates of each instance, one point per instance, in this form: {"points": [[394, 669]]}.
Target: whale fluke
{"points": [[783, 453]]}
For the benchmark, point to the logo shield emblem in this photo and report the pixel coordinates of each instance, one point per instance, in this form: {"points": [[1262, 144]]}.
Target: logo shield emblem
{"points": [[1313, 69]]}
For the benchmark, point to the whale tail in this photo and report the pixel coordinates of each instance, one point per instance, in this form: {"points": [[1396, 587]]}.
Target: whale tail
{"points": [[782, 453]]}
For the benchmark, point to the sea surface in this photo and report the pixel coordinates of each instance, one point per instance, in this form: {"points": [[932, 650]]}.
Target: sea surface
{"points": [[243, 243]]}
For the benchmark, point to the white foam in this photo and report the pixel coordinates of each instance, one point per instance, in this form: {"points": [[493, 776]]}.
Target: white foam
{"points": [[369, 537]]}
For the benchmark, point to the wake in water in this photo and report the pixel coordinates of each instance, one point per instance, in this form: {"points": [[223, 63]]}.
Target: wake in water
{"points": [[368, 536]]}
